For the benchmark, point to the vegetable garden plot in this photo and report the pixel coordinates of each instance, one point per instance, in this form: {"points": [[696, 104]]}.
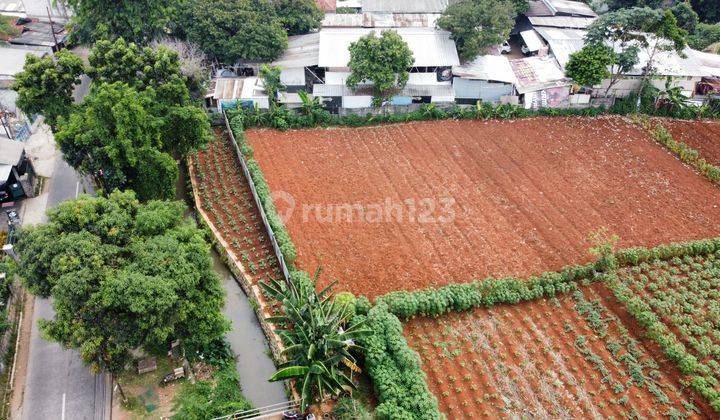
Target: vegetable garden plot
{"points": [[560, 358], [226, 198], [679, 304], [703, 136], [370, 205]]}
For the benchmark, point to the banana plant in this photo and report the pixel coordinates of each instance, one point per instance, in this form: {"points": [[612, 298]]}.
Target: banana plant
{"points": [[318, 339], [311, 106]]}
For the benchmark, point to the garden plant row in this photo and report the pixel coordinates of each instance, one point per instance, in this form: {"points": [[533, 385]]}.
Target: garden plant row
{"points": [[393, 366], [684, 152]]}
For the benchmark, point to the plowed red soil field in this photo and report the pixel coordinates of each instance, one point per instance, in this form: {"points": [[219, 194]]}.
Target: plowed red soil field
{"points": [[703, 136], [561, 358], [410, 206]]}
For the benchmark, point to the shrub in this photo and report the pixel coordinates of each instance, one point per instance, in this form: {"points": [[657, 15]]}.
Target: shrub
{"points": [[394, 367]]}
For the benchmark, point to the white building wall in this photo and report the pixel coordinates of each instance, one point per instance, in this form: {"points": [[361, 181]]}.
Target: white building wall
{"points": [[630, 84], [357, 101]]}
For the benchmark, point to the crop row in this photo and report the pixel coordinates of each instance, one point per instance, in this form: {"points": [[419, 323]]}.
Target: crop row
{"points": [[511, 290], [678, 303], [686, 153]]}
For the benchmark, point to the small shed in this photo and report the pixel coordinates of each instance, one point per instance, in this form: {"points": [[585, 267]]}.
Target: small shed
{"points": [[488, 78], [16, 173], [541, 82], [229, 91], [299, 62]]}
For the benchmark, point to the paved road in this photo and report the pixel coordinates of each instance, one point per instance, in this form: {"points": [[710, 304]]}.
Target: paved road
{"points": [[58, 385]]}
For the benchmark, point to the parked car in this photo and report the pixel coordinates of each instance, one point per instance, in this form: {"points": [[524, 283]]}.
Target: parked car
{"points": [[505, 48]]}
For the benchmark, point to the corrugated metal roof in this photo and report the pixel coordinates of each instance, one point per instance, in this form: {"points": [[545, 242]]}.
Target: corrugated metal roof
{"points": [[561, 21], [302, 51], [532, 40], [575, 8], [537, 73], [409, 90], [487, 67], [563, 42], [380, 20], [404, 6], [13, 60], [430, 47], [11, 151], [538, 8], [342, 20], [709, 63], [228, 88]]}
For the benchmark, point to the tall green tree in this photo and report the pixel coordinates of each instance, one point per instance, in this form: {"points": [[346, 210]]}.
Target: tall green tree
{"points": [[477, 25], [134, 20], [126, 139], [686, 17], [629, 31], [589, 66], [704, 36], [708, 10], [137, 66], [383, 60], [299, 16], [235, 30], [45, 85], [123, 276]]}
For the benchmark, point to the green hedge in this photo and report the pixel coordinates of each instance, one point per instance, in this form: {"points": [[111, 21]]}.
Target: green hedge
{"points": [[511, 290], [686, 153], [400, 383], [282, 118]]}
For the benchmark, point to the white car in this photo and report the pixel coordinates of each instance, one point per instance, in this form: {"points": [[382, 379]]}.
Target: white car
{"points": [[505, 48]]}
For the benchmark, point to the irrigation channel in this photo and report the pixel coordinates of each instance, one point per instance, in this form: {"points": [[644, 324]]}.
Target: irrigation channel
{"points": [[246, 337], [248, 344]]}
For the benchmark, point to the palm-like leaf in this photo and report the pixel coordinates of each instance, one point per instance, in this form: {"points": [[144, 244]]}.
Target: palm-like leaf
{"points": [[316, 338]]}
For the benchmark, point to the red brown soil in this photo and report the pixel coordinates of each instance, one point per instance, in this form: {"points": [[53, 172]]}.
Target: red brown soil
{"points": [[703, 136], [521, 361], [527, 194], [226, 198]]}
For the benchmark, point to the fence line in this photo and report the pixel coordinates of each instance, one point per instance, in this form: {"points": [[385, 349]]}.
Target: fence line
{"points": [[261, 411], [256, 197]]}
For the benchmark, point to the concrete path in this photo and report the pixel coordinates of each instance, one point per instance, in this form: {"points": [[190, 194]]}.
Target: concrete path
{"points": [[58, 385]]}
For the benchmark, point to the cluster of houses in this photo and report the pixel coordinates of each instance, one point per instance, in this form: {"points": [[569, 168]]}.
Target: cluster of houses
{"points": [[528, 70]]}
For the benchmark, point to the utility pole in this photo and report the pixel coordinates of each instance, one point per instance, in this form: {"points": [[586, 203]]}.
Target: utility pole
{"points": [[52, 28]]}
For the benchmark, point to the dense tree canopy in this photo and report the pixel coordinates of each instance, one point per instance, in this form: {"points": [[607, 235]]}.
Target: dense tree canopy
{"points": [[704, 36], [234, 30], [708, 10], [383, 60], [629, 31], [589, 66], [123, 276], [299, 16], [477, 25], [135, 20], [126, 139], [686, 16], [45, 85], [139, 67]]}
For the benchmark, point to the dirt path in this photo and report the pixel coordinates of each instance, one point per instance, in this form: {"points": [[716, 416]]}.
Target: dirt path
{"points": [[23, 354]]}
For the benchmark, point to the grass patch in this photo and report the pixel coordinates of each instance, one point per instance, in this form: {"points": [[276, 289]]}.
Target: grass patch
{"points": [[7, 26]]}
